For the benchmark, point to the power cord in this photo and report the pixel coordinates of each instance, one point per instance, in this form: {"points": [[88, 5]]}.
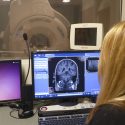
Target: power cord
{"points": [[11, 113], [17, 116], [22, 114]]}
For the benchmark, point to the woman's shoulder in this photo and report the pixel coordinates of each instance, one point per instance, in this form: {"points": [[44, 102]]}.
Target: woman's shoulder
{"points": [[112, 110], [109, 108], [108, 114]]}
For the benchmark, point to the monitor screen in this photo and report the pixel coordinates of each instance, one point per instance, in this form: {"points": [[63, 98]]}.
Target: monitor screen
{"points": [[10, 80], [64, 74], [86, 36]]}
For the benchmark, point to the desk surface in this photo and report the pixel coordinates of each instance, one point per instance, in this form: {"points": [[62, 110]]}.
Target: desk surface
{"points": [[6, 119]]}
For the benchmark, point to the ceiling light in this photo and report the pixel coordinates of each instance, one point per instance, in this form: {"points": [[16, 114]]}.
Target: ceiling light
{"points": [[6, 0], [65, 1]]}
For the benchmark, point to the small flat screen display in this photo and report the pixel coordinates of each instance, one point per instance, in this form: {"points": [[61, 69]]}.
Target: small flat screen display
{"points": [[10, 80]]}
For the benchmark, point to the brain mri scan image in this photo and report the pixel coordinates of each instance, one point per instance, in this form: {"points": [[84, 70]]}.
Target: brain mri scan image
{"points": [[65, 74]]}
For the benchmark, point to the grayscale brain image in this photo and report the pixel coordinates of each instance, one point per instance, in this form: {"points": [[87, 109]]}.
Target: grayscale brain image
{"points": [[65, 74]]}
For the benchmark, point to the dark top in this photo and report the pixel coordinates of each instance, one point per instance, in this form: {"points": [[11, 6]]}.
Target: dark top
{"points": [[108, 114]]}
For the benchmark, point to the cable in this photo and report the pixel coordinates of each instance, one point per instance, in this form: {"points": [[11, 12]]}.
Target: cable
{"points": [[13, 110], [17, 110], [35, 112]]}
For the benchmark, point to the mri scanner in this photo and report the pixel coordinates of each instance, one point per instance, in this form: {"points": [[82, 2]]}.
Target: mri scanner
{"points": [[46, 28]]}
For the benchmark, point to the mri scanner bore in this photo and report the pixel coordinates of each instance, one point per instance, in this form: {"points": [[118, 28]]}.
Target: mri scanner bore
{"points": [[46, 28]]}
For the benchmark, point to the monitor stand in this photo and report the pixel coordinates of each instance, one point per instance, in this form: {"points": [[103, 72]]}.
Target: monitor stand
{"points": [[68, 102], [3, 104]]}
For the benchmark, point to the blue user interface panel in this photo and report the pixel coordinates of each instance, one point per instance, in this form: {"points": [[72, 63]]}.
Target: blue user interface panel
{"points": [[59, 74]]}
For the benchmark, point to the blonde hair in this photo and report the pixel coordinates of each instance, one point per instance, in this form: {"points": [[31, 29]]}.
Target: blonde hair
{"points": [[111, 69], [112, 64]]}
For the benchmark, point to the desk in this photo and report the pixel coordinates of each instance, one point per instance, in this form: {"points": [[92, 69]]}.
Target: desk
{"points": [[6, 119]]}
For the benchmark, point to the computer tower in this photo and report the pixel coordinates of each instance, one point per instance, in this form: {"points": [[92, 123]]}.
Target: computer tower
{"points": [[26, 106]]}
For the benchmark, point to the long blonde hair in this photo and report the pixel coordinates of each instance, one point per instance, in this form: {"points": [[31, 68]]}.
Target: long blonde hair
{"points": [[112, 64], [111, 68]]}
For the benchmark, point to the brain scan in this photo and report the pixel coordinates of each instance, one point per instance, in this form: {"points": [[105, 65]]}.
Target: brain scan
{"points": [[66, 75]]}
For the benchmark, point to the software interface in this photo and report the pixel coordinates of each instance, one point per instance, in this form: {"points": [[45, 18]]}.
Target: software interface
{"points": [[10, 80], [63, 74]]}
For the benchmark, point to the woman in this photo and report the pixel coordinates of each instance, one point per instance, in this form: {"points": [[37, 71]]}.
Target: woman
{"points": [[110, 105]]}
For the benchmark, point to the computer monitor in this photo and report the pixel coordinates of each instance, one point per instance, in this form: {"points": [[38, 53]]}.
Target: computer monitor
{"points": [[86, 36], [65, 74], [10, 81]]}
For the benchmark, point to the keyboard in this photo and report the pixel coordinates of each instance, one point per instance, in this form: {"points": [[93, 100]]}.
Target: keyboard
{"points": [[64, 115], [75, 119]]}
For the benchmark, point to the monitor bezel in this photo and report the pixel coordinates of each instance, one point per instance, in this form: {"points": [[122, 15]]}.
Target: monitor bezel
{"points": [[62, 97], [99, 36], [6, 102]]}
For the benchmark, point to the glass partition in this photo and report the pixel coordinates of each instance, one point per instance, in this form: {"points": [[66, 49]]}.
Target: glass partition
{"points": [[47, 23]]}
